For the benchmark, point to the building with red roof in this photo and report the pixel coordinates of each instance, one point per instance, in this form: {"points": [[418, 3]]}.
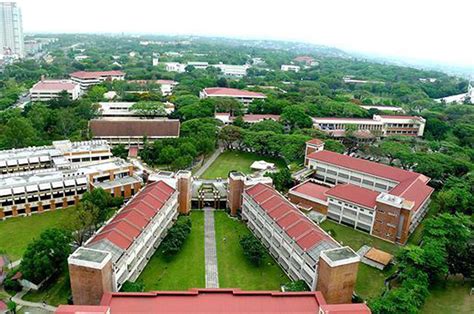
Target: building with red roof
{"points": [[211, 301], [46, 90], [387, 202], [121, 248], [243, 96], [88, 78], [297, 243], [379, 125]]}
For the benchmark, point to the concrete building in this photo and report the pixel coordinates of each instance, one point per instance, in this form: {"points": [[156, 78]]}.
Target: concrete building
{"points": [[131, 130], [175, 67], [11, 30], [213, 301], [378, 126], [86, 79], [46, 90], [200, 65], [123, 109], [120, 250], [243, 96], [232, 70], [299, 245], [166, 86], [386, 202], [290, 68], [247, 118]]}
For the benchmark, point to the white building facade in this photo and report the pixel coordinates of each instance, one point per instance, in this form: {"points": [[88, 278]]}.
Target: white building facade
{"points": [[11, 29]]}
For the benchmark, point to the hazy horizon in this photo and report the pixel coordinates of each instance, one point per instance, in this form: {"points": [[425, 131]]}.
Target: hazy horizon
{"points": [[424, 31]]}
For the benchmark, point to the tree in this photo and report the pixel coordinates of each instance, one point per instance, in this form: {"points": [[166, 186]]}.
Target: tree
{"points": [[175, 238], [393, 150], [137, 286], [296, 286], [120, 151], [267, 125], [47, 255], [96, 93], [101, 201], [82, 222], [18, 132], [296, 117], [230, 134], [282, 179], [253, 250], [334, 146], [149, 108]]}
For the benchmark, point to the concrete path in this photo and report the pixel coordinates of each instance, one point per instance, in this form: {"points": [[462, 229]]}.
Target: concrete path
{"points": [[209, 162], [210, 253], [18, 300]]}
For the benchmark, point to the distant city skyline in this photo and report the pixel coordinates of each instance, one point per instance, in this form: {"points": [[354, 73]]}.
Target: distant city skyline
{"points": [[437, 32]]}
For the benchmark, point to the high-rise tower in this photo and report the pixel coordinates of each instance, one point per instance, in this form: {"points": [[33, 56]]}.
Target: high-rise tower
{"points": [[11, 29]]}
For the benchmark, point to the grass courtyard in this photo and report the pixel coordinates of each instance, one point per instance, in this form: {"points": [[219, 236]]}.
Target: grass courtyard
{"points": [[16, 233], [450, 297], [54, 293], [235, 160], [370, 281], [184, 270], [235, 271]]}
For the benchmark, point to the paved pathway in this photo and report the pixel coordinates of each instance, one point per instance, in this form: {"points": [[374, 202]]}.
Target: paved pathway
{"points": [[212, 275], [18, 300], [209, 162]]}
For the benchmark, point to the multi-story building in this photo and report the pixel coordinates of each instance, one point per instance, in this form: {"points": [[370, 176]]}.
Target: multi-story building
{"points": [[214, 301], [11, 29], [56, 156], [86, 79], [226, 118], [200, 65], [290, 68], [166, 86], [303, 249], [232, 70], [124, 109], [46, 90], [385, 201], [120, 250], [379, 125], [175, 67], [243, 96], [130, 131]]}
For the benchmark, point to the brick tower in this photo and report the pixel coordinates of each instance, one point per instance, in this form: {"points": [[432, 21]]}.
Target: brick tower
{"points": [[234, 192], [184, 186], [91, 274], [314, 145], [337, 274]]}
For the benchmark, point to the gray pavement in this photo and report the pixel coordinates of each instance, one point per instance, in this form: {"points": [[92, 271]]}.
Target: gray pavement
{"points": [[209, 162], [210, 253], [18, 300]]}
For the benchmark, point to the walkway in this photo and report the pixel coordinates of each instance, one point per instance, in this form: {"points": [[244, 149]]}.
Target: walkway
{"points": [[18, 300], [212, 275], [209, 162]]}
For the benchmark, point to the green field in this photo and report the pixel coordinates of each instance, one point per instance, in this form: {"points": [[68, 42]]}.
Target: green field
{"points": [[238, 161], [234, 269], [56, 292], [184, 270], [16, 233], [370, 281], [450, 297]]}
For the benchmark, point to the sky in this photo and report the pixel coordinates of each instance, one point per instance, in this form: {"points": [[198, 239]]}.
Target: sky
{"points": [[441, 31]]}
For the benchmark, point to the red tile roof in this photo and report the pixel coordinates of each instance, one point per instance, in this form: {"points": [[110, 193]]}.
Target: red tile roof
{"points": [[231, 92], [356, 308], [96, 74], [354, 194], [130, 221], [315, 141], [410, 185], [54, 85], [133, 127], [298, 227], [311, 189], [213, 301]]}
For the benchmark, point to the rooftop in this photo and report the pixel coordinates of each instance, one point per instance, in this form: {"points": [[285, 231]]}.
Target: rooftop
{"points": [[215, 301], [311, 189], [354, 194], [96, 74], [134, 127], [231, 92], [54, 85]]}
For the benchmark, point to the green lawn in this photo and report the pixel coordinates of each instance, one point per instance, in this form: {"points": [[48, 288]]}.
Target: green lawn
{"points": [[451, 296], [186, 269], [234, 269], [235, 160], [16, 233], [54, 293], [370, 281]]}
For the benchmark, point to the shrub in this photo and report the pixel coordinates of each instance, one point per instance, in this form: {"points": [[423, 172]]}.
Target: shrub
{"points": [[253, 250]]}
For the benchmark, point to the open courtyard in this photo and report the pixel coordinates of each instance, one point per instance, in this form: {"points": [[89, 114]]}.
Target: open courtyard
{"points": [[238, 161]]}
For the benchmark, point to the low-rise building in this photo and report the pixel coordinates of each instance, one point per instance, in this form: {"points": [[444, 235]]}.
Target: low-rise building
{"points": [[200, 65], [232, 70], [124, 109], [302, 249], [130, 131], [226, 118], [378, 126], [213, 301], [46, 90], [290, 68], [166, 86], [243, 96], [86, 79], [175, 67], [120, 250], [386, 202]]}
